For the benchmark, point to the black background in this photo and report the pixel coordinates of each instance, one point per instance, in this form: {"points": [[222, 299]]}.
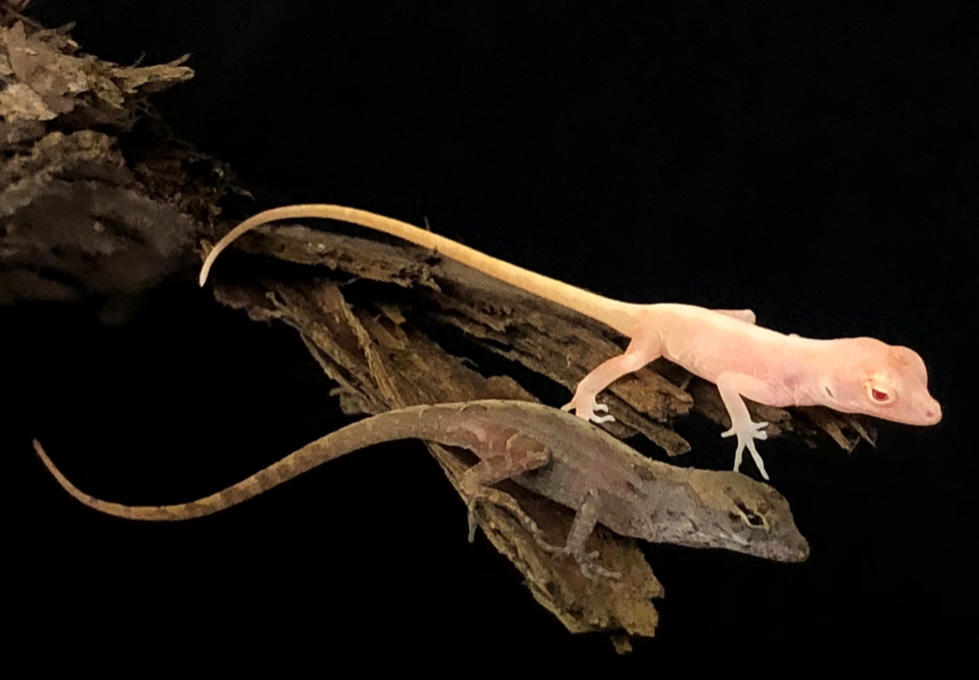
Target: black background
{"points": [[818, 166]]}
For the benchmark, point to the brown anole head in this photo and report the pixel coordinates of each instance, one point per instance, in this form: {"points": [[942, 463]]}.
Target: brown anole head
{"points": [[865, 375], [734, 512]]}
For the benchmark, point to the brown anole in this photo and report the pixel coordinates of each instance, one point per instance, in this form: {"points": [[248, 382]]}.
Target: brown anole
{"points": [[551, 453]]}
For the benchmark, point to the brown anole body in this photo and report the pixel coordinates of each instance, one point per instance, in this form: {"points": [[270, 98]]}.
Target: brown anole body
{"points": [[551, 453]]}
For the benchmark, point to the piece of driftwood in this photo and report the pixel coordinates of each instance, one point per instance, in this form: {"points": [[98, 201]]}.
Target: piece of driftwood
{"points": [[96, 198]]}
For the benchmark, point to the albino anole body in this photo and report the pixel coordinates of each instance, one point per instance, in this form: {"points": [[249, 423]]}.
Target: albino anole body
{"points": [[554, 455], [853, 375]]}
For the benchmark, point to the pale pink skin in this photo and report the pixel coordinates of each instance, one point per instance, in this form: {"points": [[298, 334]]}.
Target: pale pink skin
{"points": [[853, 375]]}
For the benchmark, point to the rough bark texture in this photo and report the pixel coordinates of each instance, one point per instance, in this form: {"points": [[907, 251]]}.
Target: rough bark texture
{"points": [[96, 197]]}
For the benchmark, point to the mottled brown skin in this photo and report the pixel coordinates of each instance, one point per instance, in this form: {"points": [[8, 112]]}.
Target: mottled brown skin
{"points": [[549, 452]]}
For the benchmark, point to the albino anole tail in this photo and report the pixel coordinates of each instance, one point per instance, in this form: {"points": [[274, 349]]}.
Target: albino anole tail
{"points": [[613, 313]]}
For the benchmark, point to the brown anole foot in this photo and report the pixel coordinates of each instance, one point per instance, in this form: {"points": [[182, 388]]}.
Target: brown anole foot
{"points": [[507, 502], [587, 562]]}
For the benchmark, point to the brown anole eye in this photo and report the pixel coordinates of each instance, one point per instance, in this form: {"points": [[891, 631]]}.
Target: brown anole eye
{"points": [[751, 518]]}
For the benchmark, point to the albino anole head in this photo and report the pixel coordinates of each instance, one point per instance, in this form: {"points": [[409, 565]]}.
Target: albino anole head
{"points": [[871, 377]]}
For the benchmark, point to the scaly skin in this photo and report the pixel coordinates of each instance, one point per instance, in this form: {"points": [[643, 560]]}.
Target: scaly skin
{"points": [[553, 454], [853, 375]]}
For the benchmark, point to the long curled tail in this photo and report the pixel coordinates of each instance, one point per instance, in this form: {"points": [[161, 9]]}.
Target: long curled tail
{"points": [[613, 313], [400, 424]]}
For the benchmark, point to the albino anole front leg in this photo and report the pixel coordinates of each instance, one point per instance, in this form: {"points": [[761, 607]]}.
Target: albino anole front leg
{"points": [[732, 386]]}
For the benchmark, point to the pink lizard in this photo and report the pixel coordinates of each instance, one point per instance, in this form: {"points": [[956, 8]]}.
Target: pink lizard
{"points": [[852, 375]]}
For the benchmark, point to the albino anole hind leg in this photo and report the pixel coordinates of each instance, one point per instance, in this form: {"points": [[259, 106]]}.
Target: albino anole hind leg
{"points": [[640, 352], [731, 387]]}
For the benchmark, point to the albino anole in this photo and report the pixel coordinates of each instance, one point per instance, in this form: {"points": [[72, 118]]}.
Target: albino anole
{"points": [[554, 455], [853, 375]]}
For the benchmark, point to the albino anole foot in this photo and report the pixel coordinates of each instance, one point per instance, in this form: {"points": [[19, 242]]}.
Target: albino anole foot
{"points": [[747, 433], [586, 411], [852, 375]]}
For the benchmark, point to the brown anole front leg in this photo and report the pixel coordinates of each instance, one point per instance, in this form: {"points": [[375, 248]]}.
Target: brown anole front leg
{"points": [[585, 520]]}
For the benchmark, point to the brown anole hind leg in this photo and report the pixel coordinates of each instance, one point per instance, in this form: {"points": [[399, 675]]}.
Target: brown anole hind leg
{"points": [[581, 529], [644, 348], [476, 485]]}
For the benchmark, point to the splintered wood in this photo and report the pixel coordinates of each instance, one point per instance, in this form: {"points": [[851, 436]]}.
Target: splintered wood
{"points": [[376, 316]]}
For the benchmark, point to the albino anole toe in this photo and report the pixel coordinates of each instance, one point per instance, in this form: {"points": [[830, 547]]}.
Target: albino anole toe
{"points": [[852, 375]]}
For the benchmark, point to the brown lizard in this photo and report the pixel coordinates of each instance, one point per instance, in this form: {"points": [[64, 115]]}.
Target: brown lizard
{"points": [[554, 454]]}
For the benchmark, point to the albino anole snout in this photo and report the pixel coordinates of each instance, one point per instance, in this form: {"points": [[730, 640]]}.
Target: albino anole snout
{"points": [[852, 375]]}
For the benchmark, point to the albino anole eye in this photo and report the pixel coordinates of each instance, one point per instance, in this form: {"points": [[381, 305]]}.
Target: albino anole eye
{"points": [[879, 395]]}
